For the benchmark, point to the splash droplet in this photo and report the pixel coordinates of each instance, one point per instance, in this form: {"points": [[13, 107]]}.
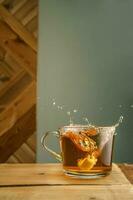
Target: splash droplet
{"points": [[120, 106], [70, 118], [86, 120], [59, 107], [68, 113], [131, 106], [101, 108], [75, 111], [119, 121], [53, 102]]}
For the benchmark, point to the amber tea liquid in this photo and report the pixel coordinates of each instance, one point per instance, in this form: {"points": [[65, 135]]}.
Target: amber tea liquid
{"points": [[86, 151]]}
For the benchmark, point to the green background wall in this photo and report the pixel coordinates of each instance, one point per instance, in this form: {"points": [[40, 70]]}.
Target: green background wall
{"points": [[86, 62]]}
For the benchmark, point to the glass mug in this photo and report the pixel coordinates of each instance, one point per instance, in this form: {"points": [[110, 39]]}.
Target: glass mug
{"points": [[86, 151]]}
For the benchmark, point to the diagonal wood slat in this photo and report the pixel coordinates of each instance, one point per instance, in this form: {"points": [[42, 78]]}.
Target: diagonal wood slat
{"points": [[25, 100], [23, 54], [6, 87], [18, 54], [6, 32], [17, 135], [18, 28], [17, 6]]}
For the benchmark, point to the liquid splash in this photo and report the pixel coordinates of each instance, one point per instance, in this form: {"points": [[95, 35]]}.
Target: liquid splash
{"points": [[70, 114], [85, 119], [119, 121]]}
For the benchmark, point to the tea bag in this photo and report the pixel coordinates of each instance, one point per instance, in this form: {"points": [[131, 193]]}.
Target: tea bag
{"points": [[87, 163], [86, 144], [82, 141]]}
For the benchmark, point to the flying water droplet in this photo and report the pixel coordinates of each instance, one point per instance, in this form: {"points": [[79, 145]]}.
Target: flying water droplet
{"points": [[131, 106], [53, 102], [86, 120], [119, 121], [75, 111], [59, 107], [68, 113], [120, 106]]}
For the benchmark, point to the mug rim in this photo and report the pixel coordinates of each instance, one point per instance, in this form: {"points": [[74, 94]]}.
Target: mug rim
{"points": [[86, 126]]}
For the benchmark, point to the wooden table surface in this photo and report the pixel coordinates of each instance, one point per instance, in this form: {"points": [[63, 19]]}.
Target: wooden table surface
{"points": [[47, 181]]}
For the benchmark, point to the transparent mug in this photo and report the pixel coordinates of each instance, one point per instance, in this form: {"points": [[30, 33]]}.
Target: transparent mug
{"points": [[86, 151]]}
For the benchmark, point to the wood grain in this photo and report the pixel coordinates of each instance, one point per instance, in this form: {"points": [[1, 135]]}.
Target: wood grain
{"points": [[31, 142], [68, 193], [127, 170], [33, 13], [13, 80], [25, 154], [17, 135], [15, 92], [18, 54], [17, 6], [6, 32], [18, 28], [23, 54], [25, 9], [12, 159], [6, 68], [52, 174], [47, 182]]}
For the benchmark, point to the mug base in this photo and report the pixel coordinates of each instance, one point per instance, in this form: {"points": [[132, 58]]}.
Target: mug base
{"points": [[86, 175]]}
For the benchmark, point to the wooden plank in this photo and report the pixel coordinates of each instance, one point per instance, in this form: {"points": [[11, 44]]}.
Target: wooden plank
{"points": [[12, 139], [7, 118], [16, 5], [23, 54], [32, 142], [23, 102], [35, 33], [2, 53], [12, 159], [68, 192], [6, 68], [127, 169], [16, 90], [25, 154], [18, 28], [52, 174], [33, 13], [32, 25], [25, 9], [9, 84], [12, 63], [6, 32]]}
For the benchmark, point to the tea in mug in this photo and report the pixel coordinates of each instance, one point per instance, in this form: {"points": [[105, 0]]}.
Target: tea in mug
{"points": [[86, 151]]}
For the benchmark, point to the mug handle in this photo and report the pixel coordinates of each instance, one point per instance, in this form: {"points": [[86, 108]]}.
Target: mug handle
{"points": [[43, 142]]}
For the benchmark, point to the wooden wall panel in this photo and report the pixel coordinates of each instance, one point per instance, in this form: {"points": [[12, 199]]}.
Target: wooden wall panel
{"points": [[18, 55]]}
